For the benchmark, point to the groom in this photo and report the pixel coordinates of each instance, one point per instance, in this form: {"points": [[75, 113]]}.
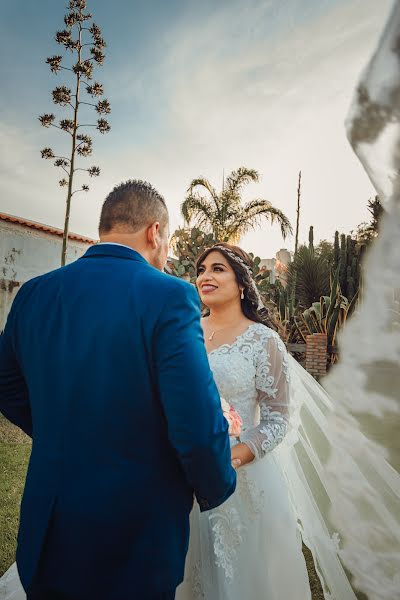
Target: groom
{"points": [[103, 363]]}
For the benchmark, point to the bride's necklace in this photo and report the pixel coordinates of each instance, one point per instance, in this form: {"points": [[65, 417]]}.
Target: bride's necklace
{"points": [[210, 339]]}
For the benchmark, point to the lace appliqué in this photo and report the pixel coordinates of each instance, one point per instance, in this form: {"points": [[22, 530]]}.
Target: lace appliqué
{"points": [[196, 583], [227, 529], [244, 366], [266, 381], [252, 496], [275, 430]]}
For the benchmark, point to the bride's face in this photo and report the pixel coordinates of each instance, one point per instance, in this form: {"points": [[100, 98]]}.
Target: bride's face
{"points": [[216, 281]]}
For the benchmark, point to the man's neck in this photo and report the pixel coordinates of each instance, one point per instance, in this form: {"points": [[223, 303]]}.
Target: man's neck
{"points": [[128, 240], [124, 239]]}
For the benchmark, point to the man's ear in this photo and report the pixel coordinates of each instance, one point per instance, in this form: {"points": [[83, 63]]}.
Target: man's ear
{"points": [[153, 233]]}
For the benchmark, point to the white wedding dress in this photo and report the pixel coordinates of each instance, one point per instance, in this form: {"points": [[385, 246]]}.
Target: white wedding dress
{"points": [[250, 547]]}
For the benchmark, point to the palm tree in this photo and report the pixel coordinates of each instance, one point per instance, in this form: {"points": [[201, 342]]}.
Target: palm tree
{"points": [[224, 214]]}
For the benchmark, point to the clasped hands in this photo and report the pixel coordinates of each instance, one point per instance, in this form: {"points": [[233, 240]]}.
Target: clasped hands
{"points": [[241, 455]]}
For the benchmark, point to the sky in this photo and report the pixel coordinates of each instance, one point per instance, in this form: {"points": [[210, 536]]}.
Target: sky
{"points": [[197, 89]]}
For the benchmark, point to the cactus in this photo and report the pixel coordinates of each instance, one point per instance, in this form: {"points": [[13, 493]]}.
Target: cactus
{"points": [[311, 238], [347, 258], [188, 245], [284, 316], [342, 261], [329, 314], [262, 277], [336, 246]]}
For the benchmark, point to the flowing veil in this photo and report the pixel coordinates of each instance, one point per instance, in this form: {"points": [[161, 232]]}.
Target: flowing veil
{"points": [[305, 458], [342, 458]]}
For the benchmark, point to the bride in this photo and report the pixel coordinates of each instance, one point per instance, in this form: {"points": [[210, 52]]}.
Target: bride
{"points": [[251, 546]]}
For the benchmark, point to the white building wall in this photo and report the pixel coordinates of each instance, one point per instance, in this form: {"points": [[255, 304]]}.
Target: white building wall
{"points": [[269, 264], [284, 256], [26, 253]]}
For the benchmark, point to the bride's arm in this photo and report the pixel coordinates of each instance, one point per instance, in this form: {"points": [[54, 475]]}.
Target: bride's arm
{"points": [[272, 383]]}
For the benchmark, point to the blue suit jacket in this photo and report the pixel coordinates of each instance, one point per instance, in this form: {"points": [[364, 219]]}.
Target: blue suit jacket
{"points": [[103, 363]]}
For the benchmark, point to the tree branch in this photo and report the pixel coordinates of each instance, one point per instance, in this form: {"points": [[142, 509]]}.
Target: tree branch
{"points": [[80, 190], [57, 127]]}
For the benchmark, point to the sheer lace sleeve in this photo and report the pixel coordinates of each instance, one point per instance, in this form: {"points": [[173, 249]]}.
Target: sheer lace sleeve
{"points": [[272, 384]]}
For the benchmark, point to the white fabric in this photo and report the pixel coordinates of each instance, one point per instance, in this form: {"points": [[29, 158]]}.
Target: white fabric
{"points": [[365, 385], [113, 244], [250, 547], [10, 586]]}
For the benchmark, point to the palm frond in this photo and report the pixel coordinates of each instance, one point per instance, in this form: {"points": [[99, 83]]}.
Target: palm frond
{"points": [[203, 182], [253, 212], [198, 208], [242, 176]]}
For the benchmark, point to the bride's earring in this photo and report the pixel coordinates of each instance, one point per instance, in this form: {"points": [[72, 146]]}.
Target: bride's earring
{"points": [[242, 295]]}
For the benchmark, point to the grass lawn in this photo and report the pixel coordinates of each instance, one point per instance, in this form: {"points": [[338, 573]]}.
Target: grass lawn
{"points": [[15, 449], [14, 455]]}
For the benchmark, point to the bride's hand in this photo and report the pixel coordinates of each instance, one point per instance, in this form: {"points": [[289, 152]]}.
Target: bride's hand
{"points": [[241, 455]]}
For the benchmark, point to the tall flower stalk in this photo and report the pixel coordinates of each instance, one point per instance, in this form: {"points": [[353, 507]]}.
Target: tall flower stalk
{"points": [[86, 45]]}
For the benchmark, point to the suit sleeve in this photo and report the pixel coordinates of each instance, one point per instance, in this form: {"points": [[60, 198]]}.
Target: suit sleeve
{"points": [[197, 428], [14, 397]]}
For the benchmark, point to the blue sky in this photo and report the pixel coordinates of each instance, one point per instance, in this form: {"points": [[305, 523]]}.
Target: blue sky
{"points": [[195, 88]]}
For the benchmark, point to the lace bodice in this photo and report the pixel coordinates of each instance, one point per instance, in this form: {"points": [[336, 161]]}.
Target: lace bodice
{"points": [[252, 374]]}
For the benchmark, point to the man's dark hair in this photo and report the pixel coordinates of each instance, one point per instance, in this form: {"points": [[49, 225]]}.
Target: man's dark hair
{"points": [[131, 206]]}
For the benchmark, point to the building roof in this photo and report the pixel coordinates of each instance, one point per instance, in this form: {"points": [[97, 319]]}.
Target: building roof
{"points": [[45, 228]]}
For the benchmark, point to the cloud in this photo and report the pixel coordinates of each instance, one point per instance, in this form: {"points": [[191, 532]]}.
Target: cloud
{"points": [[260, 84], [249, 85], [23, 181]]}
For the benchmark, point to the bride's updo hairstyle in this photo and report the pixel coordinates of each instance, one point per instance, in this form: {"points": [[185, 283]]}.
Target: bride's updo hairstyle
{"points": [[240, 262]]}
